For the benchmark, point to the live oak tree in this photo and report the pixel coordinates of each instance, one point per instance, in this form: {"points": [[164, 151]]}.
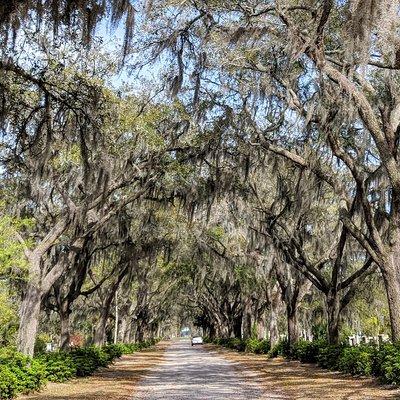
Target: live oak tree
{"points": [[72, 166], [327, 69], [262, 160]]}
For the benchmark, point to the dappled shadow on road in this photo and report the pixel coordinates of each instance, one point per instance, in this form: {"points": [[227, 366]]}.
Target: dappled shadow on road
{"points": [[196, 374], [308, 382], [114, 383]]}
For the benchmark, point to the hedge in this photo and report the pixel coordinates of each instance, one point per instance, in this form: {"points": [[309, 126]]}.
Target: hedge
{"points": [[248, 345], [22, 374], [382, 362]]}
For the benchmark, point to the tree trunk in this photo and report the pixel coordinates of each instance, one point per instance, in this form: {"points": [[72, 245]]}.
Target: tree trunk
{"points": [[125, 329], [29, 320], [246, 325], [237, 326], [275, 309], [391, 277], [65, 337], [273, 327], [293, 326], [100, 332], [212, 332], [261, 328], [333, 311], [140, 332]]}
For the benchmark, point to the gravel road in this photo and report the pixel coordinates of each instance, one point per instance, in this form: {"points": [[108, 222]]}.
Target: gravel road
{"points": [[198, 374]]}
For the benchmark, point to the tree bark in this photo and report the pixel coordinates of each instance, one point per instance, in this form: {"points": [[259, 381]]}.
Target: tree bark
{"points": [[237, 326], [261, 328], [333, 311], [140, 331], [293, 326], [100, 332], [273, 327], [29, 320], [391, 277], [65, 336], [275, 308], [125, 329], [246, 325]]}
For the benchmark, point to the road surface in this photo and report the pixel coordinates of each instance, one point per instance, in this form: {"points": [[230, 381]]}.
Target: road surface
{"points": [[198, 374]]}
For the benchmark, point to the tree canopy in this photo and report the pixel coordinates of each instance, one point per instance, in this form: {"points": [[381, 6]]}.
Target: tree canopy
{"points": [[228, 166]]}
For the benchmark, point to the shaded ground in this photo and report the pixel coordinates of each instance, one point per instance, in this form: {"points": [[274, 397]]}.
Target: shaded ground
{"points": [[306, 381], [117, 382]]}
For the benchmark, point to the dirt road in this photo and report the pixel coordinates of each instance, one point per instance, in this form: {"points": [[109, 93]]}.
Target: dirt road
{"points": [[197, 374]]}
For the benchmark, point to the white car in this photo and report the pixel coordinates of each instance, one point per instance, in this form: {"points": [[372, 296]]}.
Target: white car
{"points": [[197, 340]]}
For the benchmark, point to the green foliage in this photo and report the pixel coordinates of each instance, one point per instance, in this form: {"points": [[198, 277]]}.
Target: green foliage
{"points": [[8, 316], [237, 344], [357, 360], [60, 366], [30, 373], [382, 362], [8, 383], [40, 344], [22, 374], [319, 331], [113, 351], [89, 359], [328, 356], [306, 351], [280, 349], [387, 363], [249, 345], [264, 347], [231, 343], [131, 348], [217, 232], [257, 346], [11, 250]]}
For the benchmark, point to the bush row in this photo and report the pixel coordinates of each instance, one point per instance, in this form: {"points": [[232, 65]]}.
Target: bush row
{"points": [[22, 374], [248, 345], [381, 361]]}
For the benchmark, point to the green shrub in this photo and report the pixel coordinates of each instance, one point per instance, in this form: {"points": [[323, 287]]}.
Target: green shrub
{"points": [[251, 345], [41, 343], [130, 348], [357, 360], [368, 360], [236, 344], [257, 346], [113, 351], [8, 383], [22, 374], [386, 364], [30, 373], [88, 359], [60, 366], [263, 347], [305, 351], [280, 349], [328, 356], [31, 376]]}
